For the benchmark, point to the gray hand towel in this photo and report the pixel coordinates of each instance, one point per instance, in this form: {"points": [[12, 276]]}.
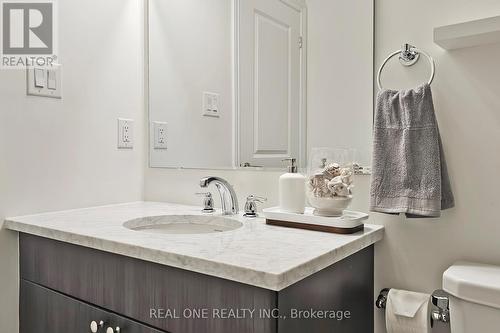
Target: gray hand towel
{"points": [[409, 172]]}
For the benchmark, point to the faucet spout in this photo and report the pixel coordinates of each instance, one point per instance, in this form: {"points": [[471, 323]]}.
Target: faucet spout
{"points": [[229, 200]]}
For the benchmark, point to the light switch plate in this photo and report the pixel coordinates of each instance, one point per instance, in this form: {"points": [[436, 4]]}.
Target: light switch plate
{"points": [[125, 133], [211, 104], [40, 79], [51, 79], [160, 135], [44, 81]]}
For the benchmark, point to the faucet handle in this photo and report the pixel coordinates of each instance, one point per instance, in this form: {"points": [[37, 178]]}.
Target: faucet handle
{"points": [[208, 202], [251, 205]]}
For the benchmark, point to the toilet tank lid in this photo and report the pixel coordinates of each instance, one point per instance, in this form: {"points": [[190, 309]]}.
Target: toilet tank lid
{"points": [[473, 282]]}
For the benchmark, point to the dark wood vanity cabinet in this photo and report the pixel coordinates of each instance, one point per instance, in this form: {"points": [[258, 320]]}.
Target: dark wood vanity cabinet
{"points": [[64, 287], [44, 311]]}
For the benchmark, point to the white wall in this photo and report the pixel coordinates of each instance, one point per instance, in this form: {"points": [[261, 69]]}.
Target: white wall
{"points": [[62, 154], [191, 52], [416, 252]]}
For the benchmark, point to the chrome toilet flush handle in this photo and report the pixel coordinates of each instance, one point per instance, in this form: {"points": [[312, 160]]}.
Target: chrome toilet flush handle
{"points": [[251, 205], [442, 302]]}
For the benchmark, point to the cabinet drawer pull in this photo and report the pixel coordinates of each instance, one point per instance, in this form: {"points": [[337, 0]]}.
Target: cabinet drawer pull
{"points": [[95, 326], [116, 330]]}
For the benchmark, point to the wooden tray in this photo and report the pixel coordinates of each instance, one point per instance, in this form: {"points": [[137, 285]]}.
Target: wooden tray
{"points": [[351, 222]]}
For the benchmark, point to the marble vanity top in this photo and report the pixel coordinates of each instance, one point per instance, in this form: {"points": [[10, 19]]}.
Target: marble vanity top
{"points": [[257, 254]]}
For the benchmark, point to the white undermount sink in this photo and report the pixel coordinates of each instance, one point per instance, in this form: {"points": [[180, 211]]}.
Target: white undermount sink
{"points": [[183, 224]]}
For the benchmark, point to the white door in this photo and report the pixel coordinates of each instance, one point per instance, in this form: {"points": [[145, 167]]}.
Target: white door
{"points": [[271, 125]]}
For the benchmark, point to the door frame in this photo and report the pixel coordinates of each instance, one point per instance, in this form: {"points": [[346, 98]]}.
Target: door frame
{"points": [[301, 7]]}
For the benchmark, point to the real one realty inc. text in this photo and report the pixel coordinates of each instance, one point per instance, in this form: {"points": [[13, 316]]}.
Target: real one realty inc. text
{"points": [[246, 313]]}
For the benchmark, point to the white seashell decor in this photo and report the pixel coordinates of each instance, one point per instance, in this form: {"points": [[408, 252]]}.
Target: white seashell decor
{"points": [[332, 181]]}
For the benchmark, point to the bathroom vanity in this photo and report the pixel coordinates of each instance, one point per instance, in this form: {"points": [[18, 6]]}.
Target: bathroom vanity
{"points": [[119, 264]]}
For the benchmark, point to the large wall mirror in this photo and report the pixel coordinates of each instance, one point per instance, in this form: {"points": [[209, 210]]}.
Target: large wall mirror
{"points": [[248, 83]]}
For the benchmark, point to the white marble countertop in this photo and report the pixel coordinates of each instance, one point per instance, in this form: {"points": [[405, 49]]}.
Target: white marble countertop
{"points": [[257, 254]]}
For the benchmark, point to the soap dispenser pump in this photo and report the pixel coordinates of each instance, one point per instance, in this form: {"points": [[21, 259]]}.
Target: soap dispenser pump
{"points": [[292, 196]]}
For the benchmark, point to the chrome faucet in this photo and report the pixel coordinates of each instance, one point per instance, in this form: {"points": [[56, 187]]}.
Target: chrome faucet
{"points": [[229, 201]]}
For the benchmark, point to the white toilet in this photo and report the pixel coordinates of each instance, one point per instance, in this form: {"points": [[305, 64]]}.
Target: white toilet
{"points": [[474, 297]]}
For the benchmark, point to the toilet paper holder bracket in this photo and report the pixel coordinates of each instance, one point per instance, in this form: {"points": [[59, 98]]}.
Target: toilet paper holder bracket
{"points": [[439, 299]]}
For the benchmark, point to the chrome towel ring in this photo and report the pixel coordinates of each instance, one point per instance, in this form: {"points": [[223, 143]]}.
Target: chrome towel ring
{"points": [[408, 56]]}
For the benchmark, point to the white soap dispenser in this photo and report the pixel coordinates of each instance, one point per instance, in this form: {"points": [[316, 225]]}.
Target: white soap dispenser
{"points": [[292, 189]]}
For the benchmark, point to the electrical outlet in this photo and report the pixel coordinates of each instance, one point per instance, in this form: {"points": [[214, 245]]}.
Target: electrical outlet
{"points": [[160, 135], [210, 104], [125, 133]]}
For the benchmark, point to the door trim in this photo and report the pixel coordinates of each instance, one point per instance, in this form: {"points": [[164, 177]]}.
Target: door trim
{"points": [[301, 7]]}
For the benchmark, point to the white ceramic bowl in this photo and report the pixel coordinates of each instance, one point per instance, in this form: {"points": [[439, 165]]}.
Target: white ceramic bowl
{"points": [[329, 206]]}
